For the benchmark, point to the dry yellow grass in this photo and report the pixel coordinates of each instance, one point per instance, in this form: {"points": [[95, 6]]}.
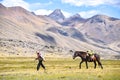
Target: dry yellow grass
{"points": [[24, 68]]}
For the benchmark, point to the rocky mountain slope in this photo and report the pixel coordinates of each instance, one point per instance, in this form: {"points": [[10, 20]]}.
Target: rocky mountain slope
{"points": [[23, 33], [102, 29]]}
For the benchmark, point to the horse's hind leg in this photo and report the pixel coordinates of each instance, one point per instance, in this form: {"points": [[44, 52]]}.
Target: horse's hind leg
{"points": [[99, 63], [95, 64]]}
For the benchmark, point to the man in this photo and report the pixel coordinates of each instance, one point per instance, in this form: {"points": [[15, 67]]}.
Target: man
{"points": [[91, 54], [40, 59]]}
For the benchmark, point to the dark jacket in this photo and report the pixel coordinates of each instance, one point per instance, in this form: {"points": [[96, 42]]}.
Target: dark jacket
{"points": [[39, 58]]}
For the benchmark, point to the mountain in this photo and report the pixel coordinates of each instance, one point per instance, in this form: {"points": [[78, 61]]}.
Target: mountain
{"points": [[18, 27], [102, 29], [57, 15], [2, 6], [22, 33], [73, 20]]}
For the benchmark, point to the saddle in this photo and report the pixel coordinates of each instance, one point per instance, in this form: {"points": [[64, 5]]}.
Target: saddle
{"points": [[92, 58]]}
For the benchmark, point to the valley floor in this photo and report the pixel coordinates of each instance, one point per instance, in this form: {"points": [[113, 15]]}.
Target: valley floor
{"points": [[24, 68]]}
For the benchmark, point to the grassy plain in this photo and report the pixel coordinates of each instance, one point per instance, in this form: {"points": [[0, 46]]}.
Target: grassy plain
{"points": [[24, 68]]}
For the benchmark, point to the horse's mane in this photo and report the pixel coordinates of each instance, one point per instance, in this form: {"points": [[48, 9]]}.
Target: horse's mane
{"points": [[81, 52]]}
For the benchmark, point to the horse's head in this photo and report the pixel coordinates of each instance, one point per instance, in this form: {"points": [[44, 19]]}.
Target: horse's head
{"points": [[75, 54]]}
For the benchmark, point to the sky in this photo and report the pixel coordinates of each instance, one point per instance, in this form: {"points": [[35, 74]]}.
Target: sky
{"points": [[86, 8]]}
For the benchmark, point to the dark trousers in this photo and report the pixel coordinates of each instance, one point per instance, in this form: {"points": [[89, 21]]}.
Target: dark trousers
{"points": [[40, 64]]}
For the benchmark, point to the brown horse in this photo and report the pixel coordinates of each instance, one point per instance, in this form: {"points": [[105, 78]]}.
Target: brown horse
{"points": [[86, 58]]}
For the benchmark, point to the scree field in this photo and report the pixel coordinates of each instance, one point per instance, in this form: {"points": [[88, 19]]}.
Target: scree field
{"points": [[24, 68]]}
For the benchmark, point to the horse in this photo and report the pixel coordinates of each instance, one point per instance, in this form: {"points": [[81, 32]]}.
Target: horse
{"points": [[86, 58]]}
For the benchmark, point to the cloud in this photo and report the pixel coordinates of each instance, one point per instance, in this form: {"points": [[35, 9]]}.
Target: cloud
{"points": [[26, 5], [43, 12], [10, 3], [38, 5], [47, 12], [91, 2], [66, 14], [41, 4], [88, 14]]}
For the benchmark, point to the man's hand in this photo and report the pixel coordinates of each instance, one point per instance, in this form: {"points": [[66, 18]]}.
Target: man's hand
{"points": [[36, 58], [43, 60]]}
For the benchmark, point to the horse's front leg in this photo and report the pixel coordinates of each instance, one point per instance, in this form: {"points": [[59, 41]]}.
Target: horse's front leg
{"points": [[86, 64], [80, 64], [95, 64]]}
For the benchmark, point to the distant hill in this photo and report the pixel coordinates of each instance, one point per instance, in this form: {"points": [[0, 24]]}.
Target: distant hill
{"points": [[73, 20], [102, 29], [23, 33]]}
